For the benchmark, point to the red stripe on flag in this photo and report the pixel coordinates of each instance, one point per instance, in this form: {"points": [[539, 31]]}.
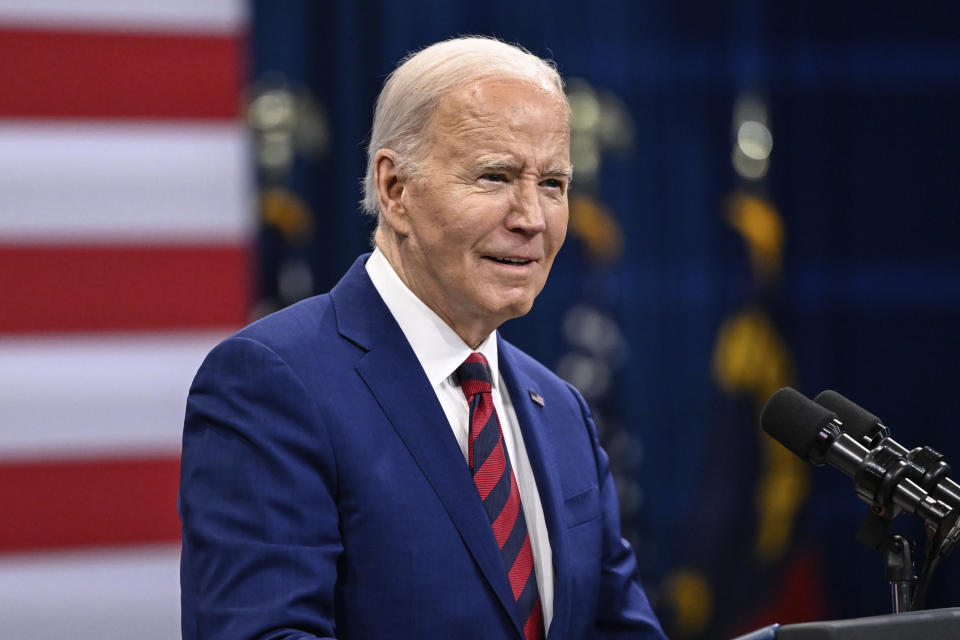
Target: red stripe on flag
{"points": [[81, 74], [49, 505], [68, 288]]}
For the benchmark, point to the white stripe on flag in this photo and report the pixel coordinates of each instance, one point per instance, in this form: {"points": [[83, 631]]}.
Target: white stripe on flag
{"points": [[109, 394], [91, 595], [128, 15], [113, 182]]}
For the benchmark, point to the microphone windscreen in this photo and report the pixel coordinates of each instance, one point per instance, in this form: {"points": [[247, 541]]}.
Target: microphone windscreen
{"points": [[857, 422], [794, 421]]}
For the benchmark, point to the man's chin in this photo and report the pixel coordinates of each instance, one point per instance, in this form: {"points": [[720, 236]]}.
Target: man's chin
{"points": [[513, 309]]}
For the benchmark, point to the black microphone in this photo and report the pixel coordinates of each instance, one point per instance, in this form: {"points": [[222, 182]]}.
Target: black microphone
{"points": [[857, 421], [928, 467], [880, 476]]}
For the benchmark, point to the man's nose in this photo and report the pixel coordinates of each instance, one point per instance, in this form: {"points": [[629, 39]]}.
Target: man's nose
{"points": [[527, 209]]}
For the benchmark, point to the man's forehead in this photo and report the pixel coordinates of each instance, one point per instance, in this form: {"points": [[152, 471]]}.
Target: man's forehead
{"points": [[482, 148], [500, 101], [486, 85]]}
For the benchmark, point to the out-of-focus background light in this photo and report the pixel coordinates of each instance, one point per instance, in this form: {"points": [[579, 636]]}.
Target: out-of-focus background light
{"points": [[753, 140]]}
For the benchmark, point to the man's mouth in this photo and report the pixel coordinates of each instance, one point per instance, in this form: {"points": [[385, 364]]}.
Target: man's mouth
{"points": [[510, 261]]}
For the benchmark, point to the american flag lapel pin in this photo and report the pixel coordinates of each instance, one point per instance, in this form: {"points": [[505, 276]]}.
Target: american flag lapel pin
{"points": [[536, 397]]}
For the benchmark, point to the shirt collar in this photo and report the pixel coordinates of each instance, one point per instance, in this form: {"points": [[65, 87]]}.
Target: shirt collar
{"points": [[438, 348]]}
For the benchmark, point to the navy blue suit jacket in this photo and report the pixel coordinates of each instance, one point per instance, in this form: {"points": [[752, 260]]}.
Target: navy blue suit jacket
{"points": [[324, 494]]}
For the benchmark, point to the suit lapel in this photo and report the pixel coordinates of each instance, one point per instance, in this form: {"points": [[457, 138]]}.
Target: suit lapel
{"points": [[394, 376], [531, 405]]}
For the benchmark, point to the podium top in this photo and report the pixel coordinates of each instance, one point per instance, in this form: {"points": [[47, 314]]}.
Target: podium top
{"points": [[929, 624]]}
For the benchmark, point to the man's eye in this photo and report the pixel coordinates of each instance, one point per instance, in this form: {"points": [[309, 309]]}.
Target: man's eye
{"points": [[494, 177], [553, 183]]}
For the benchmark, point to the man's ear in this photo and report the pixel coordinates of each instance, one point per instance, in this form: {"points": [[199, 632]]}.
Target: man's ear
{"points": [[390, 185]]}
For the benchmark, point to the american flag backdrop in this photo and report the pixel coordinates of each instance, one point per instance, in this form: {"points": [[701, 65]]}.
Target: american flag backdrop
{"points": [[125, 247]]}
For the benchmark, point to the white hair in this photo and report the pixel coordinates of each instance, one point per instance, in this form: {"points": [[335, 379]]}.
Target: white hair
{"points": [[410, 94]]}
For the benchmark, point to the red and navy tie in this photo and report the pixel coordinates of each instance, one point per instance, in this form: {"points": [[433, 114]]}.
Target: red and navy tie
{"points": [[493, 475]]}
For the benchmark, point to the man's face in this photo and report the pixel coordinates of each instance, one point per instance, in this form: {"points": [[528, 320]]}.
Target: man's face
{"points": [[487, 211]]}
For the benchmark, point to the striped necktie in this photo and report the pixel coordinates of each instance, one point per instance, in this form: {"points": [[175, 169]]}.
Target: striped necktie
{"points": [[493, 476]]}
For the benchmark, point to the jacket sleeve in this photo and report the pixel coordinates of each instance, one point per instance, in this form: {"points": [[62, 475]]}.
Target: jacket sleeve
{"points": [[257, 501], [623, 610]]}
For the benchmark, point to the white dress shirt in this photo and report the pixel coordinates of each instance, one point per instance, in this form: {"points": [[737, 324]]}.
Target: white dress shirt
{"points": [[440, 351]]}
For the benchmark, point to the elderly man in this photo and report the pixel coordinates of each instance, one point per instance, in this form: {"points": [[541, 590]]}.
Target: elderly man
{"points": [[376, 462]]}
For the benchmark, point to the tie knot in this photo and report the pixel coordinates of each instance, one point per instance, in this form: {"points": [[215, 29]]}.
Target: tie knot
{"points": [[474, 375]]}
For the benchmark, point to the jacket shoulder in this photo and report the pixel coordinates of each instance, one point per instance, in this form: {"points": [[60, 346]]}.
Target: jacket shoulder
{"points": [[291, 328]]}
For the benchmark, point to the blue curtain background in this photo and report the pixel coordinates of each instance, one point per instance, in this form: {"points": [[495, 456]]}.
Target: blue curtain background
{"points": [[863, 99]]}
